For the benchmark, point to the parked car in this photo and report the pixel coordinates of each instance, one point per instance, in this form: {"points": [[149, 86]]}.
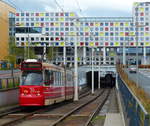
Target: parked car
{"points": [[132, 69]]}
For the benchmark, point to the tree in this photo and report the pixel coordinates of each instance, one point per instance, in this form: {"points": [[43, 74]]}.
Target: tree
{"points": [[51, 53]]}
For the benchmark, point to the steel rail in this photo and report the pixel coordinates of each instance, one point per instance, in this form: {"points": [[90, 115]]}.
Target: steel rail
{"points": [[97, 109], [75, 109], [19, 119]]}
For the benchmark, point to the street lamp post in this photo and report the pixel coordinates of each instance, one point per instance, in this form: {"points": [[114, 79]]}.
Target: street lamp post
{"points": [[99, 84], [76, 97], [92, 73]]}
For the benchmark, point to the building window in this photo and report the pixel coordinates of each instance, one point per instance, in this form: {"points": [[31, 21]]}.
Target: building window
{"points": [[32, 38], [42, 38], [17, 39], [22, 38]]}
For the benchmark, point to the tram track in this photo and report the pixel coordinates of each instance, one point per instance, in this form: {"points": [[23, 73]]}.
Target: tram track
{"points": [[59, 114], [19, 114], [82, 115]]}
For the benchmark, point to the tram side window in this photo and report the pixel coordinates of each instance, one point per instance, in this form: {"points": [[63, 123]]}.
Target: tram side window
{"points": [[49, 77]]}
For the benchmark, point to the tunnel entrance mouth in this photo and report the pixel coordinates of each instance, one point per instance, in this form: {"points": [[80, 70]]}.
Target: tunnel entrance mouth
{"points": [[108, 81], [105, 82]]}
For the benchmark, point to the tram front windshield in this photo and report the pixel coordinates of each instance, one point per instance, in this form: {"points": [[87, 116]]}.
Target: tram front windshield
{"points": [[32, 78]]}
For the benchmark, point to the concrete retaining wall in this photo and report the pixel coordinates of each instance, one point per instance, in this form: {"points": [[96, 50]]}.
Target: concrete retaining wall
{"points": [[9, 97]]}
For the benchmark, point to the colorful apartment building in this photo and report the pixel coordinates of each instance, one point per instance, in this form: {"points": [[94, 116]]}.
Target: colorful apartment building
{"points": [[110, 36], [7, 28]]}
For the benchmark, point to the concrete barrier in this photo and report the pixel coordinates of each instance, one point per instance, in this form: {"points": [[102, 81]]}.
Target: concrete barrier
{"points": [[9, 97]]}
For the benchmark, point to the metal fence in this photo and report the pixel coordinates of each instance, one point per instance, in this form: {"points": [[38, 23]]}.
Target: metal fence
{"points": [[135, 112], [6, 83]]}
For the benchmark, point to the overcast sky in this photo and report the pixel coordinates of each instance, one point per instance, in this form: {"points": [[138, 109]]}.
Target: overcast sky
{"points": [[81, 7]]}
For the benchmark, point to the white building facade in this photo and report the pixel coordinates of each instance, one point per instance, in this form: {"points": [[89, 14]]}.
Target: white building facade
{"points": [[111, 37]]}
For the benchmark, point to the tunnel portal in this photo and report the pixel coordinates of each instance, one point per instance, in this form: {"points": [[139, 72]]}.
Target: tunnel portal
{"points": [[105, 82]]}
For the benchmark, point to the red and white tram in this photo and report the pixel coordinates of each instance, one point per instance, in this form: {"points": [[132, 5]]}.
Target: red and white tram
{"points": [[44, 84]]}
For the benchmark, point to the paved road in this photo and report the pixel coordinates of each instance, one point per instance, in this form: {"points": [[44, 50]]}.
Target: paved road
{"points": [[143, 78]]}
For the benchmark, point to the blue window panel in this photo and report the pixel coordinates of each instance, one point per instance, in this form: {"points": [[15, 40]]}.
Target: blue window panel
{"points": [[116, 38], [126, 29], [47, 14], [57, 29], [17, 19], [86, 43], [66, 29], [81, 38], [111, 29], [121, 38], [96, 39], [116, 29], [106, 39], [121, 43], [42, 19], [141, 38], [37, 19], [47, 29], [86, 24], [136, 33], [22, 14], [131, 24], [131, 38], [111, 43], [141, 4], [47, 19], [131, 29], [71, 39], [146, 8], [91, 29], [56, 43], [141, 19], [27, 19], [27, 14], [51, 29], [101, 24], [61, 29], [101, 29], [126, 38], [71, 29], [57, 33], [86, 39], [72, 43], [51, 33], [66, 14], [106, 34], [32, 24], [111, 38], [32, 19], [101, 38], [141, 29], [96, 33], [27, 24], [106, 24], [147, 38], [91, 38], [42, 43], [81, 33], [136, 14], [96, 29]]}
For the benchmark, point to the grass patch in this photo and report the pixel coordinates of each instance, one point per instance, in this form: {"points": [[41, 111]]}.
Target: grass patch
{"points": [[98, 118], [138, 91]]}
